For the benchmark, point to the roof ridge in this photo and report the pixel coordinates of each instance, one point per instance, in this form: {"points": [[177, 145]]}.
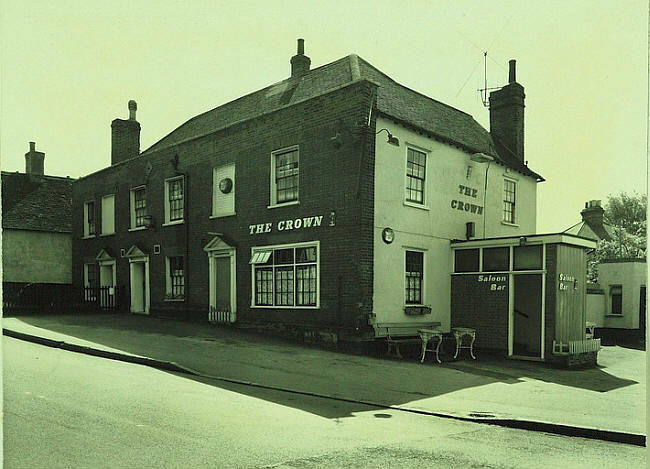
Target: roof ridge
{"points": [[45, 176], [289, 79]]}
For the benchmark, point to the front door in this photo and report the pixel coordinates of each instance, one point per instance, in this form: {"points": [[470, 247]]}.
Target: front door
{"points": [[222, 288], [527, 316], [107, 285], [139, 287]]}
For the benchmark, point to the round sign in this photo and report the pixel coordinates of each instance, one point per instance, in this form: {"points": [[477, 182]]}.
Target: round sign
{"points": [[225, 185], [388, 235]]}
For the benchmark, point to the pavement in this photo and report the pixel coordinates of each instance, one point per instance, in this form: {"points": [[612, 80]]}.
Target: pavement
{"points": [[607, 402]]}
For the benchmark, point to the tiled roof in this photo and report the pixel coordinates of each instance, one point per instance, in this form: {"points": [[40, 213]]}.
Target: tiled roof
{"points": [[39, 203], [584, 230], [393, 100]]}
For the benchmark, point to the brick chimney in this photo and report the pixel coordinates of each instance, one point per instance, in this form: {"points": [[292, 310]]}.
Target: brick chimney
{"points": [[34, 161], [300, 62], [592, 216], [507, 114], [125, 136]]}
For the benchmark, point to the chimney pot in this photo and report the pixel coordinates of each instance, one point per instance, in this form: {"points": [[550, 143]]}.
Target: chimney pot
{"points": [[34, 161], [133, 106], [512, 75], [507, 115], [300, 62]]}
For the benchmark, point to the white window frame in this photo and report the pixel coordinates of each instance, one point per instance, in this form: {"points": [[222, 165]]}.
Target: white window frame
{"points": [[422, 283], [103, 232], [425, 191], [132, 207], [257, 249], [168, 221], [86, 228], [168, 280], [273, 188], [503, 201]]}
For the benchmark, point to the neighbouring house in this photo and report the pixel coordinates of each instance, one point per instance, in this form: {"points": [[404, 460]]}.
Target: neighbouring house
{"points": [[36, 238], [326, 203], [616, 305]]}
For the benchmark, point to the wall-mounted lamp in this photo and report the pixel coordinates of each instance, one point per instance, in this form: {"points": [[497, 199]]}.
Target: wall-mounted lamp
{"points": [[469, 171], [522, 241], [391, 138]]}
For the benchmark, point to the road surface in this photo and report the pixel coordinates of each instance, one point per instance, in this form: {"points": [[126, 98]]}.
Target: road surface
{"points": [[64, 409]]}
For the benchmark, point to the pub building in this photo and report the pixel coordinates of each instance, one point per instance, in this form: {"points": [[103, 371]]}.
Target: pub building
{"points": [[329, 203]]}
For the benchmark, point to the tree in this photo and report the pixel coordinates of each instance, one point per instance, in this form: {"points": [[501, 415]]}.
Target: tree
{"points": [[627, 215]]}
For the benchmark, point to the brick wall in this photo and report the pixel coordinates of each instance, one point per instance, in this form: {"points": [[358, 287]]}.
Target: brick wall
{"points": [[474, 304], [333, 178]]}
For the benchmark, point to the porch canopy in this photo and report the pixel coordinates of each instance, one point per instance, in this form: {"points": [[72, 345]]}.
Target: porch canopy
{"points": [[524, 295]]}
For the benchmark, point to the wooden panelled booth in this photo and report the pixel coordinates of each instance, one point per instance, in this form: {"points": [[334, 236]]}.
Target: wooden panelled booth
{"points": [[525, 296]]}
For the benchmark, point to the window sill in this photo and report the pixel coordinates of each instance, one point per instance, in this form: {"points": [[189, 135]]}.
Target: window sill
{"points": [[415, 205], [175, 300], [138, 228], [89, 237], [507, 223], [613, 315], [285, 204], [107, 234], [229, 214], [175, 222], [285, 307]]}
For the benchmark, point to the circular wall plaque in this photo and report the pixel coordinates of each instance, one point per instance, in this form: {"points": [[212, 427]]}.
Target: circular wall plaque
{"points": [[225, 185], [388, 235]]}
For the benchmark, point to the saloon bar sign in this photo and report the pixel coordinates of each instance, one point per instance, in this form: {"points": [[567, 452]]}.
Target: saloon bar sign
{"points": [[286, 225]]}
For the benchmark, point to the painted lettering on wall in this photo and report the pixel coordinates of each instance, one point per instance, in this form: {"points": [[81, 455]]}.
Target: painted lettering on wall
{"points": [[286, 225], [497, 282], [566, 281], [467, 206]]}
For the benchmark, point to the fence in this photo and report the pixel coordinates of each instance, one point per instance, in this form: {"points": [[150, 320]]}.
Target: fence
{"points": [[220, 315], [576, 347], [102, 297], [23, 297]]}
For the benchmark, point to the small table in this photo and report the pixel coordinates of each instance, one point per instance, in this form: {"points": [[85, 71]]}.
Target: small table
{"points": [[426, 335], [459, 333]]}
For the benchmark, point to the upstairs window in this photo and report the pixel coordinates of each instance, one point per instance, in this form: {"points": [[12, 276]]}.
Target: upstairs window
{"points": [[284, 176], [509, 199], [175, 278], [416, 162], [174, 200], [89, 219], [414, 277], [138, 207], [108, 214]]}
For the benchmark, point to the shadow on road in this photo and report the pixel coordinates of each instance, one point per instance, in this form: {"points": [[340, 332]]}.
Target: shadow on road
{"points": [[250, 357]]}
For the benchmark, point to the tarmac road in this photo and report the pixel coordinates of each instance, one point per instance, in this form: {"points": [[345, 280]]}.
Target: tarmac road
{"points": [[65, 409]]}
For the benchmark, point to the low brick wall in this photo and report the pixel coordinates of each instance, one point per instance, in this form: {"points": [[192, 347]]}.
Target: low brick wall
{"points": [[577, 361]]}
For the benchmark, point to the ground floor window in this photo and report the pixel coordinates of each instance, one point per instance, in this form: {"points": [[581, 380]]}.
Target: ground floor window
{"points": [[286, 276], [414, 277], [175, 278], [616, 296]]}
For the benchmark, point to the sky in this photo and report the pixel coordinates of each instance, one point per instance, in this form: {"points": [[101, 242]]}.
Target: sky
{"points": [[69, 68]]}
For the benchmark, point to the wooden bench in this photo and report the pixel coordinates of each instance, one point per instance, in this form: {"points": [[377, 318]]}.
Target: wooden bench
{"points": [[400, 333]]}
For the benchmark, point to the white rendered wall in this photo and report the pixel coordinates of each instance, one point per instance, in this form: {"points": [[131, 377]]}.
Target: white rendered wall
{"points": [[631, 275], [431, 227]]}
